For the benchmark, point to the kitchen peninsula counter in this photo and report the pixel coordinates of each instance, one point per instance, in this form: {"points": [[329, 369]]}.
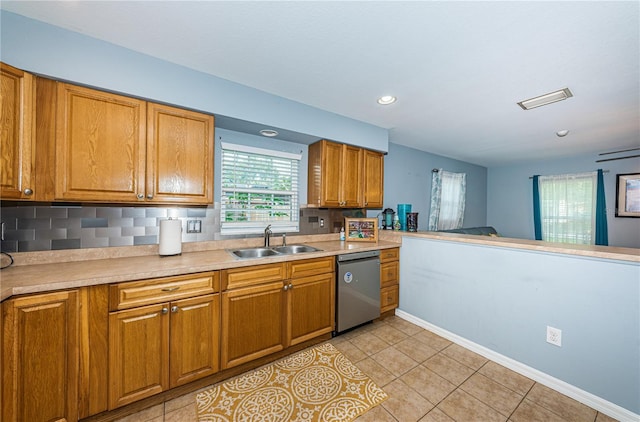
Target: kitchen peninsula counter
{"points": [[591, 251], [38, 272]]}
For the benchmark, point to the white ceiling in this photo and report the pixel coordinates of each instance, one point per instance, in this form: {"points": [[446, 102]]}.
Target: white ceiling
{"points": [[457, 68]]}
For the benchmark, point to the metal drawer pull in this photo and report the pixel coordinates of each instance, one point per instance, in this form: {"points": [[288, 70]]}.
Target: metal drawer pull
{"points": [[170, 289], [174, 309], [165, 310]]}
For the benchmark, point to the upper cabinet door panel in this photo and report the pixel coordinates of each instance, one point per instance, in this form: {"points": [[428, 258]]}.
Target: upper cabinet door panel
{"points": [[100, 144], [351, 177], [179, 155], [331, 168], [16, 127], [373, 179]]}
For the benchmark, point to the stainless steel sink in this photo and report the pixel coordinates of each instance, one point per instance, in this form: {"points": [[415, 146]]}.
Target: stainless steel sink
{"points": [[275, 250], [293, 249], [254, 252]]}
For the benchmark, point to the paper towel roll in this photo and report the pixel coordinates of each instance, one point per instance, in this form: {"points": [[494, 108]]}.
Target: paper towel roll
{"points": [[170, 242]]}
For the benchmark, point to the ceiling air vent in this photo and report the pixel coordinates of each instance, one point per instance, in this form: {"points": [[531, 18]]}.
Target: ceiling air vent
{"points": [[545, 99]]}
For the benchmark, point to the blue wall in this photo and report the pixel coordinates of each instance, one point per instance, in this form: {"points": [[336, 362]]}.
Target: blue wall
{"points": [[407, 180], [503, 299], [48, 50], [510, 195]]}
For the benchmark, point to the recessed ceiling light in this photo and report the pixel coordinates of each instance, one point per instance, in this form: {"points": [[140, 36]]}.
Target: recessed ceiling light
{"points": [[387, 99], [269, 133], [545, 99], [562, 133]]}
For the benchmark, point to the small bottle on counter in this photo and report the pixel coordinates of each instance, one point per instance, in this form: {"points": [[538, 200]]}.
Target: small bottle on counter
{"points": [[342, 235], [396, 223]]}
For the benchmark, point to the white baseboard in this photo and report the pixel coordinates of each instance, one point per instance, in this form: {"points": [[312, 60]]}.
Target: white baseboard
{"points": [[593, 401]]}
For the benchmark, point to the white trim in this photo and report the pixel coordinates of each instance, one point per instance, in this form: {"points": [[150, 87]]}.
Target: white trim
{"points": [[254, 150], [591, 400]]}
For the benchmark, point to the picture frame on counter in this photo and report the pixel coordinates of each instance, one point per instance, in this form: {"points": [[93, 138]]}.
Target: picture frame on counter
{"points": [[628, 195], [361, 229]]}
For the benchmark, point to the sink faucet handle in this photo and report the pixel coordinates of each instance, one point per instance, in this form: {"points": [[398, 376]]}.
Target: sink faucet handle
{"points": [[267, 234], [284, 239]]}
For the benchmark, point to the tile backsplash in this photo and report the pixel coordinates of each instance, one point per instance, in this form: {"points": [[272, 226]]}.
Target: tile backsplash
{"points": [[42, 227]]}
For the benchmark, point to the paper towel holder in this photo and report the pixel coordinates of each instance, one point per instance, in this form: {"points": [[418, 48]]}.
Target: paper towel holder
{"points": [[170, 237]]}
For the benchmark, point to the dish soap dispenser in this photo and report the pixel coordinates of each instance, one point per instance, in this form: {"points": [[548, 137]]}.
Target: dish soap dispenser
{"points": [[342, 235]]}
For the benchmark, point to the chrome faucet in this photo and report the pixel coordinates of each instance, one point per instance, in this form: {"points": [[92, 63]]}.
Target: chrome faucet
{"points": [[284, 239], [267, 235]]}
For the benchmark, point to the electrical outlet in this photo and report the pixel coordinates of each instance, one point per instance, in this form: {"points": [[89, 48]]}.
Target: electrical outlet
{"points": [[554, 336]]}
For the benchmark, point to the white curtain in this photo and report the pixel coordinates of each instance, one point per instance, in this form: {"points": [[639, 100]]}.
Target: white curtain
{"points": [[568, 207], [448, 191]]}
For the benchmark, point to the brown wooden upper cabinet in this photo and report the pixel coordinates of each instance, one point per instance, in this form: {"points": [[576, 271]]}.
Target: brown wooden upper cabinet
{"points": [[114, 148], [16, 129], [336, 176], [373, 179]]}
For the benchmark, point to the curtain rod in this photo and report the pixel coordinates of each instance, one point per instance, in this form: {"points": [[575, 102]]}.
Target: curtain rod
{"points": [[604, 171]]}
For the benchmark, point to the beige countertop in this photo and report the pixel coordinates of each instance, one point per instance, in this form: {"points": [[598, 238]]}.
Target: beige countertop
{"points": [[38, 272]]}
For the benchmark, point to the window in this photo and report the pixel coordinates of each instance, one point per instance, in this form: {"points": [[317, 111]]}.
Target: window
{"points": [[259, 187], [568, 208], [448, 192]]}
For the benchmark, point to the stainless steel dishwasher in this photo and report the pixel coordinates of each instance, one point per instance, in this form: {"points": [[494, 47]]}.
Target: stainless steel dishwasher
{"points": [[357, 289]]}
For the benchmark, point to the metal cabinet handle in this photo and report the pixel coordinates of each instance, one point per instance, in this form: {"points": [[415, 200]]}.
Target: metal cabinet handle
{"points": [[286, 287], [28, 192], [290, 286], [174, 309], [149, 196], [171, 289], [140, 196], [165, 310]]}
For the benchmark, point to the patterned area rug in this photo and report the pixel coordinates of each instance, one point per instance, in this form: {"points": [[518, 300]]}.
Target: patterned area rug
{"points": [[317, 384]]}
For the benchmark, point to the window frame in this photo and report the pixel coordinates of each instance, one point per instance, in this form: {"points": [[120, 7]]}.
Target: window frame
{"points": [[251, 226]]}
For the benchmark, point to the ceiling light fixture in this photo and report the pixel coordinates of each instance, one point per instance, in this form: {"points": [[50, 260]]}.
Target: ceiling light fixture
{"points": [[562, 133], [387, 99], [269, 133], [545, 99]]}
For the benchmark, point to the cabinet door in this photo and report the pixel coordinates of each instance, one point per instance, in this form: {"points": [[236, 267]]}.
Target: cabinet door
{"points": [[100, 144], [179, 155], [373, 179], [40, 358], [351, 177], [16, 128], [194, 344], [253, 320], [310, 307], [331, 172], [138, 353]]}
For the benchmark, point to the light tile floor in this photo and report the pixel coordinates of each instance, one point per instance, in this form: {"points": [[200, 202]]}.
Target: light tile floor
{"points": [[428, 379]]}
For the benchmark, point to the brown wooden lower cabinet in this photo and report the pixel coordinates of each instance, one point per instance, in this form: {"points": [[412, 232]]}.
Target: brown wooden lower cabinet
{"points": [[157, 347], [266, 317], [40, 357], [389, 279], [252, 323], [310, 307]]}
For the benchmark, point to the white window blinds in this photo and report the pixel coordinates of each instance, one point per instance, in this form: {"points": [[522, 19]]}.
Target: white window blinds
{"points": [[259, 187]]}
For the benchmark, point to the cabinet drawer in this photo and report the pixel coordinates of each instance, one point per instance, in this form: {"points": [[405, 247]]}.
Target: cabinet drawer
{"points": [[389, 255], [389, 273], [147, 292], [389, 298], [247, 276], [309, 267]]}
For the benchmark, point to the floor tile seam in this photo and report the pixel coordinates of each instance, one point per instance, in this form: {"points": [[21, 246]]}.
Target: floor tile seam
{"points": [[489, 405], [545, 407], [524, 397], [462, 363], [450, 393]]}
